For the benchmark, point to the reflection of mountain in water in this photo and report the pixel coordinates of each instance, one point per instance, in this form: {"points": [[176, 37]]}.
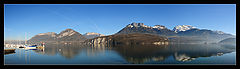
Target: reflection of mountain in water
{"points": [[139, 53], [142, 54], [66, 50]]}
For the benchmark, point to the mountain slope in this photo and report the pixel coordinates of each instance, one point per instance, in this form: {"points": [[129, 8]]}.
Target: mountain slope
{"points": [[205, 35], [70, 35], [91, 35], [50, 36], [181, 28], [66, 35], [180, 33], [141, 28], [231, 41]]}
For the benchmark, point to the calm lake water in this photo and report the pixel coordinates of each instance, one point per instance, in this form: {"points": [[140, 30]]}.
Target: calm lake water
{"points": [[70, 54]]}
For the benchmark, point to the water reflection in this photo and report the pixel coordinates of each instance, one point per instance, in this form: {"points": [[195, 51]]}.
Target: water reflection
{"points": [[66, 50], [139, 54]]}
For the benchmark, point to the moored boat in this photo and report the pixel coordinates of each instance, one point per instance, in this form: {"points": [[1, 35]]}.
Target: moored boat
{"points": [[30, 47]]}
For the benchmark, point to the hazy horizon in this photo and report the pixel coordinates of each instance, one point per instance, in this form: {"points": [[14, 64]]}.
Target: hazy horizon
{"points": [[109, 19]]}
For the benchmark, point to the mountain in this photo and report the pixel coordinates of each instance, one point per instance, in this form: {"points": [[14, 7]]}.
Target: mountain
{"points": [[181, 28], [49, 36], [66, 35], [141, 28], [180, 33], [91, 35], [129, 39], [205, 35], [200, 32], [70, 35], [231, 41]]}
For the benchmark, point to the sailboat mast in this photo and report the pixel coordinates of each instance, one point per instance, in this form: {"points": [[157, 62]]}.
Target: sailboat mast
{"points": [[25, 38]]}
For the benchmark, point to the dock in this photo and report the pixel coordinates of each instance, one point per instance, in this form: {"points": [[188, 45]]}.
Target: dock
{"points": [[9, 51], [40, 47]]}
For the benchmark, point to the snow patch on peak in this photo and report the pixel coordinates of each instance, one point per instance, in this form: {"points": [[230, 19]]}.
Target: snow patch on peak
{"points": [[159, 27], [137, 25], [180, 28], [219, 32]]}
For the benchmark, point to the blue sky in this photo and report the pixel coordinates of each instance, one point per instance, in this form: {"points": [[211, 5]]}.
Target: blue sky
{"points": [[108, 19]]}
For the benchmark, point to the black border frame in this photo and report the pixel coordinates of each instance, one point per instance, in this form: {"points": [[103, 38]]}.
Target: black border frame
{"points": [[121, 2]]}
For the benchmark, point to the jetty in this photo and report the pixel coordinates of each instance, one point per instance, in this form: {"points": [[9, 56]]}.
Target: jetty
{"points": [[9, 51]]}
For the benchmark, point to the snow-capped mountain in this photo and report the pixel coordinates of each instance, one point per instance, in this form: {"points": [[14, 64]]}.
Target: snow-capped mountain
{"points": [[187, 33], [180, 28], [90, 35], [159, 27], [190, 32], [219, 32], [138, 25], [141, 28]]}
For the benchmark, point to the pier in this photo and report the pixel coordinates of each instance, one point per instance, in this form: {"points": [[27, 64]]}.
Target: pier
{"points": [[9, 51]]}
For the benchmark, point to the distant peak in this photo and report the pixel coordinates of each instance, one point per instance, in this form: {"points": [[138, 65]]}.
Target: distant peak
{"points": [[93, 33], [68, 29], [219, 32], [67, 32], [53, 34], [48, 33], [180, 28], [137, 25], [159, 27]]}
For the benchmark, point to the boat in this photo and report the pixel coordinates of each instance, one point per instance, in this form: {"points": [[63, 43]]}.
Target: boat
{"points": [[26, 46], [30, 47], [21, 47]]}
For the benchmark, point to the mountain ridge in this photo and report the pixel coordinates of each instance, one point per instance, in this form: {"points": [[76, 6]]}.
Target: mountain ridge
{"points": [[65, 35], [186, 32]]}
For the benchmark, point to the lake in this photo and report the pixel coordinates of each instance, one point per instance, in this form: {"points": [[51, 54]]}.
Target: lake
{"points": [[78, 54]]}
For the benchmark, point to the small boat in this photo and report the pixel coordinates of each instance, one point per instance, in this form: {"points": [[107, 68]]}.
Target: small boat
{"points": [[30, 47], [21, 47]]}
